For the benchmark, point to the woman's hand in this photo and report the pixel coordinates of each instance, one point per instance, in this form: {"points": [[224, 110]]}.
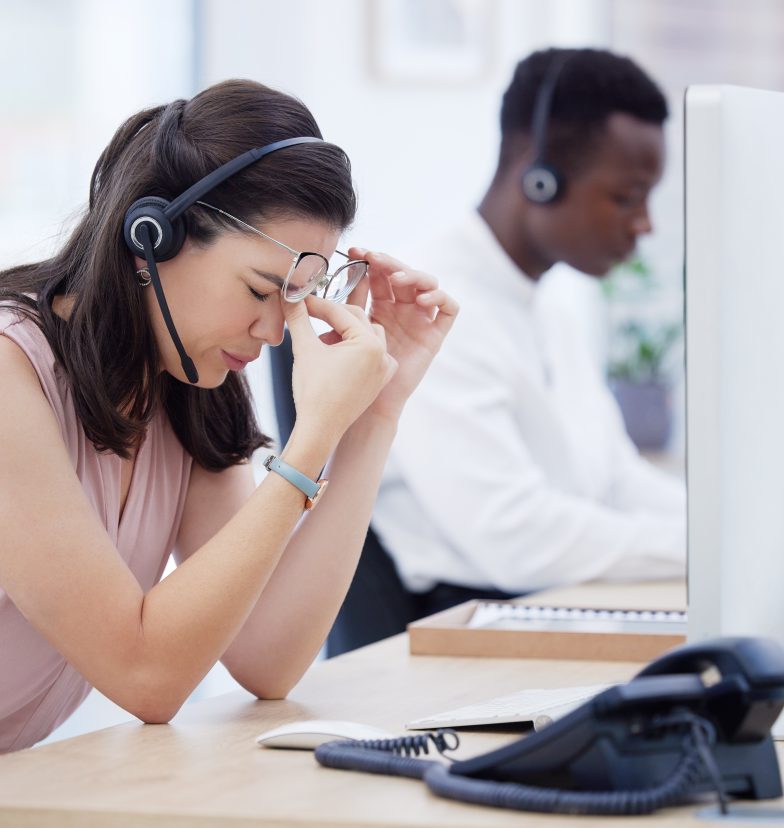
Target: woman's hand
{"points": [[415, 315], [338, 375]]}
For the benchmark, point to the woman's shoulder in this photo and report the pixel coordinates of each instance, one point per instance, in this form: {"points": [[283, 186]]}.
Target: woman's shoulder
{"points": [[17, 323], [10, 315], [22, 367], [30, 349]]}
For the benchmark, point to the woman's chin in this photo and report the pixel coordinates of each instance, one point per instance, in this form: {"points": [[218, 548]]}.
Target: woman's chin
{"points": [[207, 379], [213, 379]]}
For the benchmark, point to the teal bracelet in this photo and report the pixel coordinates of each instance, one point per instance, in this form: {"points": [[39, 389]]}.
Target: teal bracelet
{"points": [[312, 489]]}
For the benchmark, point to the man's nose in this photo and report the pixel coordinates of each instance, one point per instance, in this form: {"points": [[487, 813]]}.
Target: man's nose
{"points": [[641, 222]]}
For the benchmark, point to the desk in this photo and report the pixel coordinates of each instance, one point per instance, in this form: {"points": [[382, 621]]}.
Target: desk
{"points": [[205, 768]]}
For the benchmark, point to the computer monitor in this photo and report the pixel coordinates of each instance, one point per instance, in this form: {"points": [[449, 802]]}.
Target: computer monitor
{"points": [[734, 190]]}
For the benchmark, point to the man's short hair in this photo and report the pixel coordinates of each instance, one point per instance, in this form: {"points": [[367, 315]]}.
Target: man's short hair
{"points": [[591, 85]]}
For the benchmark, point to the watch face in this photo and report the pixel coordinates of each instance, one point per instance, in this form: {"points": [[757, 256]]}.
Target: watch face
{"points": [[311, 502]]}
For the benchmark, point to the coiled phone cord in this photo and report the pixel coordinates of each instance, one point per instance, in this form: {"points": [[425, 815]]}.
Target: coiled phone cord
{"points": [[697, 758], [390, 757], [443, 740]]}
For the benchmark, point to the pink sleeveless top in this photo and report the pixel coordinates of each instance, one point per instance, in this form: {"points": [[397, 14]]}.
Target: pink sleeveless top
{"points": [[39, 689]]}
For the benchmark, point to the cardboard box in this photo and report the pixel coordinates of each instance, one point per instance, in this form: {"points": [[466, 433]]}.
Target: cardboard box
{"points": [[447, 633]]}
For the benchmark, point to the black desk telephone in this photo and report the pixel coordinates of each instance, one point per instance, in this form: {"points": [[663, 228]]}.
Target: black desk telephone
{"points": [[695, 720]]}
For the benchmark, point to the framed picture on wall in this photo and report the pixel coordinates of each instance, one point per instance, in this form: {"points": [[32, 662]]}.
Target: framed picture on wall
{"points": [[441, 41]]}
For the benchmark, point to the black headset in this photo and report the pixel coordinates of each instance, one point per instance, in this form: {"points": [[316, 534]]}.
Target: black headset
{"points": [[542, 183], [155, 228]]}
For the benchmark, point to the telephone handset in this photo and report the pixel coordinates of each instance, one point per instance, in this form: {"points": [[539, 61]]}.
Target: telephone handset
{"points": [[695, 720]]}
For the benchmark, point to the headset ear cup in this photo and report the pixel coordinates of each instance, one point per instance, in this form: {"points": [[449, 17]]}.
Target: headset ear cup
{"points": [[542, 183], [167, 236]]}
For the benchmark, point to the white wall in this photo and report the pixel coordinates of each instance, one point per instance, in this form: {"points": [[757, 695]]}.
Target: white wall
{"points": [[72, 71], [422, 152]]}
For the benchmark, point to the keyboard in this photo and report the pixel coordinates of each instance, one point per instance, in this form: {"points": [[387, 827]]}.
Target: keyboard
{"points": [[538, 707]]}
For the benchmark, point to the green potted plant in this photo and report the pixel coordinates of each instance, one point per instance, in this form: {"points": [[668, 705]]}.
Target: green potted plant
{"points": [[644, 350]]}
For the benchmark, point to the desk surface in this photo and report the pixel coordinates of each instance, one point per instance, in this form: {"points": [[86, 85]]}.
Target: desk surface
{"points": [[206, 769]]}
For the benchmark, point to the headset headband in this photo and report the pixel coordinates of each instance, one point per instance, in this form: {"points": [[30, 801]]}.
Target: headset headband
{"points": [[541, 182], [544, 102], [230, 168]]}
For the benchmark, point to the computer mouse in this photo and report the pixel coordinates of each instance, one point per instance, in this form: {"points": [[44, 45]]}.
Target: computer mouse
{"points": [[308, 735]]}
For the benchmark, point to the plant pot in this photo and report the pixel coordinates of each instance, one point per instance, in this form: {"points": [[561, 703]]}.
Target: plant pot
{"points": [[647, 411]]}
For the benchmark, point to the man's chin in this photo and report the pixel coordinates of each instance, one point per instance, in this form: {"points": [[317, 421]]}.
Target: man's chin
{"points": [[600, 270], [594, 269], [594, 266]]}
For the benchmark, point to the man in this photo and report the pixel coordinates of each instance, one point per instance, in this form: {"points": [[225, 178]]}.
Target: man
{"points": [[511, 470]]}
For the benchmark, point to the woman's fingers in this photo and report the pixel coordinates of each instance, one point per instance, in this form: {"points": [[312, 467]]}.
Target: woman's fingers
{"points": [[296, 316], [379, 331], [380, 287], [392, 280], [380, 267], [381, 261], [359, 296], [446, 308], [343, 370], [433, 298], [408, 284], [350, 320], [346, 320], [330, 338], [333, 337]]}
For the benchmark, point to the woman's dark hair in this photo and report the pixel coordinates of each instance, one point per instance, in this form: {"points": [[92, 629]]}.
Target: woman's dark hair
{"points": [[106, 348], [591, 85]]}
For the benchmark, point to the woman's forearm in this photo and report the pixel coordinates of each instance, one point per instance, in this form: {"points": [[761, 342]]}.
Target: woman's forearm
{"points": [[288, 626], [190, 618]]}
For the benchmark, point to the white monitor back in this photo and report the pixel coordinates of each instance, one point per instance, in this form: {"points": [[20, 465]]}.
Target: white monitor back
{"points": [[735, 360]]}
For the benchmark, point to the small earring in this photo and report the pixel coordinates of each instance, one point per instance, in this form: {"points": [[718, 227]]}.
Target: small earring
{"points": [[143, 275]]}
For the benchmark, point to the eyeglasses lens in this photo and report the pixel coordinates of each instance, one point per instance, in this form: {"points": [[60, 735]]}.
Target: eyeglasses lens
{"points": [[340, 284], [311, 276], [308, 273]]}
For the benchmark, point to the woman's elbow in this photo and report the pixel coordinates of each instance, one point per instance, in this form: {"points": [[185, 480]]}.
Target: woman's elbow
{"points": [[271, 693], [267, 688], [155, 716], [154, 711], [155, 702]]}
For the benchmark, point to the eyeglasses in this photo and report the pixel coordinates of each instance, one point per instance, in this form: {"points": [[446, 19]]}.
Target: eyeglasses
{"points": [[309, 272]]}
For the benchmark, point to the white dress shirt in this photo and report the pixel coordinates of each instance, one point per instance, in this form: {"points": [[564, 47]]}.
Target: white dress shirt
{"points": [[511, 468]]}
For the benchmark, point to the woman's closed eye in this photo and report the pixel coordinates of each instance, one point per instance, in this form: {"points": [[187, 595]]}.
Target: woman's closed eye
{"points": [[261, 297]]}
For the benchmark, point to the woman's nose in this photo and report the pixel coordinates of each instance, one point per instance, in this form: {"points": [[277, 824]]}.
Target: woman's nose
{"points": [[268, 325]]}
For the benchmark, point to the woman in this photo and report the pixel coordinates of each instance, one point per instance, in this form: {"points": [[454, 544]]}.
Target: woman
{"points": [[125, 437]]}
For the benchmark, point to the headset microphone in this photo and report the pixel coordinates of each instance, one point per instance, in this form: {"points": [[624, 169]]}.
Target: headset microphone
{"points": [[155, 229], [541, 182], [143, 233]]}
